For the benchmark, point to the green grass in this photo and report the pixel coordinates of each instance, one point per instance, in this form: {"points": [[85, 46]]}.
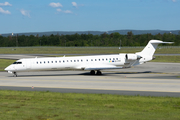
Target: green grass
{"points": [[79, 50], [4, 63], [60, 50], [172, 59], [23, 105], [168, 51]]}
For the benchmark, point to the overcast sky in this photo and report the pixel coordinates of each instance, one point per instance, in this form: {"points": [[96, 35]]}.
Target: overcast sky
{"points": [[20, 16]]}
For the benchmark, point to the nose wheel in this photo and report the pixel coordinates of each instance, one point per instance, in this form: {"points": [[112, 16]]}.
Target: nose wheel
{"points": [[14, 74]]}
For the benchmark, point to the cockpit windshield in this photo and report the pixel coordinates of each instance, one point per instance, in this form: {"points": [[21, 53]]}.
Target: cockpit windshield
{"points": [[17, 63]]}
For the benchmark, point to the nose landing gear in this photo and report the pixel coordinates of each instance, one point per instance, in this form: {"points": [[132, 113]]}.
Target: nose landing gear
{"points": [[14, 74]]}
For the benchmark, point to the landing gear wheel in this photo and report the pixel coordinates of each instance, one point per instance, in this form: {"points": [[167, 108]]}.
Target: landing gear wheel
{"points": [[15, 74], [98, 72], [92, 72]]}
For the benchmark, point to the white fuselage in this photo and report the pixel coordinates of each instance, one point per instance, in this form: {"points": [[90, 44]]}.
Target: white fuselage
{"points": [[78, 62]]}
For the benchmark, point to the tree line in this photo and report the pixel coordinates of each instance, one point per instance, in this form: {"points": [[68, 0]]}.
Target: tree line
{"points": [[113, 39]]}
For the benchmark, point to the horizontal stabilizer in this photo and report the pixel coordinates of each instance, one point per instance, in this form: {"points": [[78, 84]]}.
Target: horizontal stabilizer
{"points": [[159, 42]]}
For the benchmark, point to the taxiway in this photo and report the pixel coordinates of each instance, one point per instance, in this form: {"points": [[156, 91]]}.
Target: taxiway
{"points": [[150, 79]]}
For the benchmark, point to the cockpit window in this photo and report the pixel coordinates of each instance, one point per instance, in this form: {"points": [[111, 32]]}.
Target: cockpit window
{"points": [[17, 63]]}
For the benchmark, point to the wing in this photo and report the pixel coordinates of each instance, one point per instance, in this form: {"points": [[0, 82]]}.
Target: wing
{"points": [[101, 67]]}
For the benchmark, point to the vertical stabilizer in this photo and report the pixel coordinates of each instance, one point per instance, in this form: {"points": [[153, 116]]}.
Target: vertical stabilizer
{"points": [[151, 48], [148, 52]]}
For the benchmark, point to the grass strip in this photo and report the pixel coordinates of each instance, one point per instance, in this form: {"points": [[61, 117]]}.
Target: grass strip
{"points": [[171, 59], [4, 63], [24, 105], [81, 50]]}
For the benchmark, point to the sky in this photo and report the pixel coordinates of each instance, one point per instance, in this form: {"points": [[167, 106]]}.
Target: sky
{"points": [[22, 16]]}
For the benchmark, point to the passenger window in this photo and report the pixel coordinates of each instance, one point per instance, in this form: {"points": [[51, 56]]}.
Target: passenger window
{"points": [[106, 59], [87, 60], [113, 58], [71, 60], [67, 60], [95, 59], [48, 61], [44, 62], [56, 61], [77, 60], [52, 61], [116, 58], [63, 61], [74, 60], [91, 59], [99, 59], [37, 63], [81, 60], [102, 59], [59, 61], [109, 58], [40, 62]]}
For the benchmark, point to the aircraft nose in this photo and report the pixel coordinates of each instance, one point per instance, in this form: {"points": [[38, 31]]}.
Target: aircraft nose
{"points": [[8, 68]]}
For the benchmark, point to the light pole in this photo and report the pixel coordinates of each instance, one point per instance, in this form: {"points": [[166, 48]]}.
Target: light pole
{"points": [[120, 44]]}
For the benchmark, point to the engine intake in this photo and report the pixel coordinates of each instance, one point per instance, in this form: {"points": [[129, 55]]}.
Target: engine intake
{"points": [[132, 57]]}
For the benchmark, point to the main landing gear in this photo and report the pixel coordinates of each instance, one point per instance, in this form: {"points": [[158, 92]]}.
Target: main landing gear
{"points": [[14, 74], [97, 73]]}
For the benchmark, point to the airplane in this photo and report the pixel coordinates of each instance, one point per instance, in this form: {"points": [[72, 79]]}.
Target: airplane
{"points": [[94, 63]]}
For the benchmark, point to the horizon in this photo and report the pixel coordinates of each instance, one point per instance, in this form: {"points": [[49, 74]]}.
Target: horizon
{"points": [[29, 16], [90, 31]]}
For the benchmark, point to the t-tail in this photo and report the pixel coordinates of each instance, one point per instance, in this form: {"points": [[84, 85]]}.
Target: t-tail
{"points": [[147, 53]]}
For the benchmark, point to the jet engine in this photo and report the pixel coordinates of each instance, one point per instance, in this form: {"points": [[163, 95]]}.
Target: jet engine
{"points": [[132, 57]]}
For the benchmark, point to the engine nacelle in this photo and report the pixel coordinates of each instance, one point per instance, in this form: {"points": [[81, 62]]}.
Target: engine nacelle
{"points": [[132, 57]]}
